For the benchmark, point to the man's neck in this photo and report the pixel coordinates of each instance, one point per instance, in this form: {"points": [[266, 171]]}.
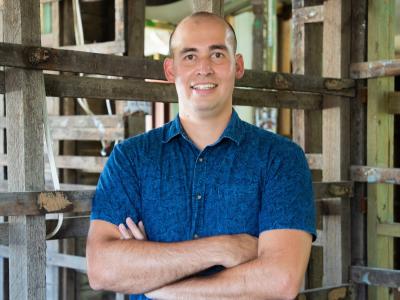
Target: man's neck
{"points": [[204, 131]]}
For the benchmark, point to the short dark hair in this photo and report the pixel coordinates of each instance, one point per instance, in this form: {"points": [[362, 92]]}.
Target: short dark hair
{"points": [[205, 14]]}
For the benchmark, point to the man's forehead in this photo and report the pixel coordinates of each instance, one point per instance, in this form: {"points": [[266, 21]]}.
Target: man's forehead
{"points": [[188, 31]]}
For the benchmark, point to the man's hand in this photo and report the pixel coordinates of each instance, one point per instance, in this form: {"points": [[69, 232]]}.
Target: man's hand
{"points": [[134, 231], [241, 248]]}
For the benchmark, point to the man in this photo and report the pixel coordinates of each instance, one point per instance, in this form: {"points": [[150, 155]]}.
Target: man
{"points": [[205, 190]]}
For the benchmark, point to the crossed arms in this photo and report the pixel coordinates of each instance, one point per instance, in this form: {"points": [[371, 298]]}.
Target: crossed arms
{"points": [[270, 267]]}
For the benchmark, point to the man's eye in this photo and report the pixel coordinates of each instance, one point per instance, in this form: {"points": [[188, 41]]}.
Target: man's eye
{"points": [[218, 55], [189, 57]]}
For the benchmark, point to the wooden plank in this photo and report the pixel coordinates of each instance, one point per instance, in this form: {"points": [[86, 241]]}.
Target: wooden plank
{"points": [[119, 21], [38, 203], [214, 6], [309, 14], [375, 175], [375, 69], [87, 134], [56, 259], [25, 95], [42, 58], [79, 121], [389, 229], [380, 128], [86, 163], [375, 276], [98, 88], [335, 138], [112, 47], [394, 103], [358, 138], [315, 161]]}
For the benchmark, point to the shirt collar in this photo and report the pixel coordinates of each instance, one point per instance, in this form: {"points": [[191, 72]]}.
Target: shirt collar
{"points": [[233, 131]]}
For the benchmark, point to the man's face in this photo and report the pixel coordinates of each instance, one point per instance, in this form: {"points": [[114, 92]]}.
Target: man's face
{"points": [[203, 67]]}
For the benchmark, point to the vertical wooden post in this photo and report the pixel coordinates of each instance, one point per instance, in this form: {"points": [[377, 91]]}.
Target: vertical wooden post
{"points": [[24, 106], [358, 143], [335, 139], [380, 138], [214, 6]]}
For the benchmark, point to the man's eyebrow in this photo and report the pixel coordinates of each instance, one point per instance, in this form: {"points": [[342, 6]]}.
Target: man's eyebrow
{"points": [[186, 50], [218, 47]]}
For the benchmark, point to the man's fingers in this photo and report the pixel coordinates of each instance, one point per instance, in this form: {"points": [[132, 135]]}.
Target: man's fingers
{"points": [[124, 232], [137, 234], [141, 227]]}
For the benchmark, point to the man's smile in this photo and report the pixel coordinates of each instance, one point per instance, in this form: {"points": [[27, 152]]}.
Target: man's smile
{"points": [[203, 86]]}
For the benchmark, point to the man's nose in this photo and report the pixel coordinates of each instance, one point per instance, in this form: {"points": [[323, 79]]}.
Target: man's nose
{"points": [[204, 67]]}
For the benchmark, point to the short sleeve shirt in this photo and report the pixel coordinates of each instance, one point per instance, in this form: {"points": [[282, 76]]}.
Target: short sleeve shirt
{"points": [[248, 181]]}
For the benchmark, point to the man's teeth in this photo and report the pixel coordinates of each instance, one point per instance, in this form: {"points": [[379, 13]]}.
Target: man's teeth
{"points": [[204, 86]]}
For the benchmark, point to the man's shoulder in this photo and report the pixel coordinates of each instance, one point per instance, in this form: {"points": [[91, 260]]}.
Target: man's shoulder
{"points": [[265, 138]]}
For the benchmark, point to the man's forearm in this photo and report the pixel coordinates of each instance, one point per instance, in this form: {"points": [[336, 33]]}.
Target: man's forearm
{"points": [[252, 280], [133, 266]]}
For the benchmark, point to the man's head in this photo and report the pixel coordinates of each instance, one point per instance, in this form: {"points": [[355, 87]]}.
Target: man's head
{"points": [[203, 64], [204, 14]]}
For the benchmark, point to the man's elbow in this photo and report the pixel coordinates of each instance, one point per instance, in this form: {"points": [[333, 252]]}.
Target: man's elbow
{"points": [[289, 287]]}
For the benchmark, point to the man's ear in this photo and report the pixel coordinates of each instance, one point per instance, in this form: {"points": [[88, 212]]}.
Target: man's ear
{"points": [[239, 66], [169, 69]]}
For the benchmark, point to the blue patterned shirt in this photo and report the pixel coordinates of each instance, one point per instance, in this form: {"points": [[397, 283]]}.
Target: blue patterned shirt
{"points": [[249, 181]]}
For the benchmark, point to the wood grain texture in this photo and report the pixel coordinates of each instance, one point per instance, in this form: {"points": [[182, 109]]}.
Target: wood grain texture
{"points": [[25, 94], [335, 138], [380, 126], [214, 6], [133, 67]]}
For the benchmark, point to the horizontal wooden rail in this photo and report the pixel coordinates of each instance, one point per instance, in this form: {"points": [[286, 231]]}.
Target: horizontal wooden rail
{"points": [[94, 164], [389, 229], [374, 69], [104, 47], [375, 276], [57, 259], [394, 103], [41, 58], [375, 175], [87, 134], [35, 203], [131, 89], [309, 14]]}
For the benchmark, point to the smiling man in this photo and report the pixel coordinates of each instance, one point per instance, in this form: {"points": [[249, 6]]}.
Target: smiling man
{"points": [[214, 208]]}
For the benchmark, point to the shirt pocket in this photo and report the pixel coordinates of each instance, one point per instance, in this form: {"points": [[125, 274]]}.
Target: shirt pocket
{"points": [[238, 207]]}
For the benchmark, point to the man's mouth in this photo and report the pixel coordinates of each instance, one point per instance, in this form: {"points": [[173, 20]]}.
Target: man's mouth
{"points": [[204, 86]]}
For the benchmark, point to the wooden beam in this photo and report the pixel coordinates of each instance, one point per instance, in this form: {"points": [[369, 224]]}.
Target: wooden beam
{"points": [[309, 14], [389, 229], [375, 276], [87, 134], [380, 126], [98, 88], [375, 175], [39, 203], [41, 58], [336, 138], [213, 6], [375, 69], [25, 94], [56, 259], [112, 47]]}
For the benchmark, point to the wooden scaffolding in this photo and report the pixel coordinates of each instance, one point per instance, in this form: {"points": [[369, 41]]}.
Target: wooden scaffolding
{"points": [[328, 117]]}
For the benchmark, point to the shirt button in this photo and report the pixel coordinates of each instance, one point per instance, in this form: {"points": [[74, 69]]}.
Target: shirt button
{"points": [[196, 236], [200, 159], [198, 197]]}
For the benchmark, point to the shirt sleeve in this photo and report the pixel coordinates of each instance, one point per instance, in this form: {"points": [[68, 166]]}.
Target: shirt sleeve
{"points": [[287, 197], [117, 193]]}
